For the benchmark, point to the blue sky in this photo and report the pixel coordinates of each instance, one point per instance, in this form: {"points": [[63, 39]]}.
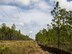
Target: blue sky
{"points": [[29, 16]]}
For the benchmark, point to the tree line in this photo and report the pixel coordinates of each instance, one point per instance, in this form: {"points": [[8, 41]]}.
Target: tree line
{"points": [[59, 33], [7, 33]]}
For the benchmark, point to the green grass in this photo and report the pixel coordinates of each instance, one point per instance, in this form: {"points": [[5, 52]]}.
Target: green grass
{"points": [[20, 47]]}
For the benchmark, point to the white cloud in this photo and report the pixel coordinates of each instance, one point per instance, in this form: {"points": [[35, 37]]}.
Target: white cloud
{"points": [[25, 2], [6, 1], [35, 15], [26, 20], [65, 4], [43, 5], [34, 19]]}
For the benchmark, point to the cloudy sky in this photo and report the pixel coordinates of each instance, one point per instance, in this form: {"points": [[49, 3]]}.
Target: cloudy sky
{"points": [[29, 16]]}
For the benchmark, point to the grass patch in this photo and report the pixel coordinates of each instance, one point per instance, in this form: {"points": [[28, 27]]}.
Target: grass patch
{"points": [[19, 47]]}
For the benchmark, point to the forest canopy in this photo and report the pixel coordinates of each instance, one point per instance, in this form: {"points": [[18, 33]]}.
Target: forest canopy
{"points": [[7, 33], [59, 33]]}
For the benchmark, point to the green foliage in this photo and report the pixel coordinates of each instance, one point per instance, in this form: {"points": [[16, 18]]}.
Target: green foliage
{"points": [[46, 37], [13, 27], [7, 33], [60, 34], [62, 25], [41, 37]]}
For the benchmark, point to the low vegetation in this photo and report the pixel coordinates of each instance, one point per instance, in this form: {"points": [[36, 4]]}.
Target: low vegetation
{"points": [[20, 47]]}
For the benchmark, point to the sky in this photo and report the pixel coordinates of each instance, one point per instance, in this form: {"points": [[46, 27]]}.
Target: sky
{"points": [[29, 16]]}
